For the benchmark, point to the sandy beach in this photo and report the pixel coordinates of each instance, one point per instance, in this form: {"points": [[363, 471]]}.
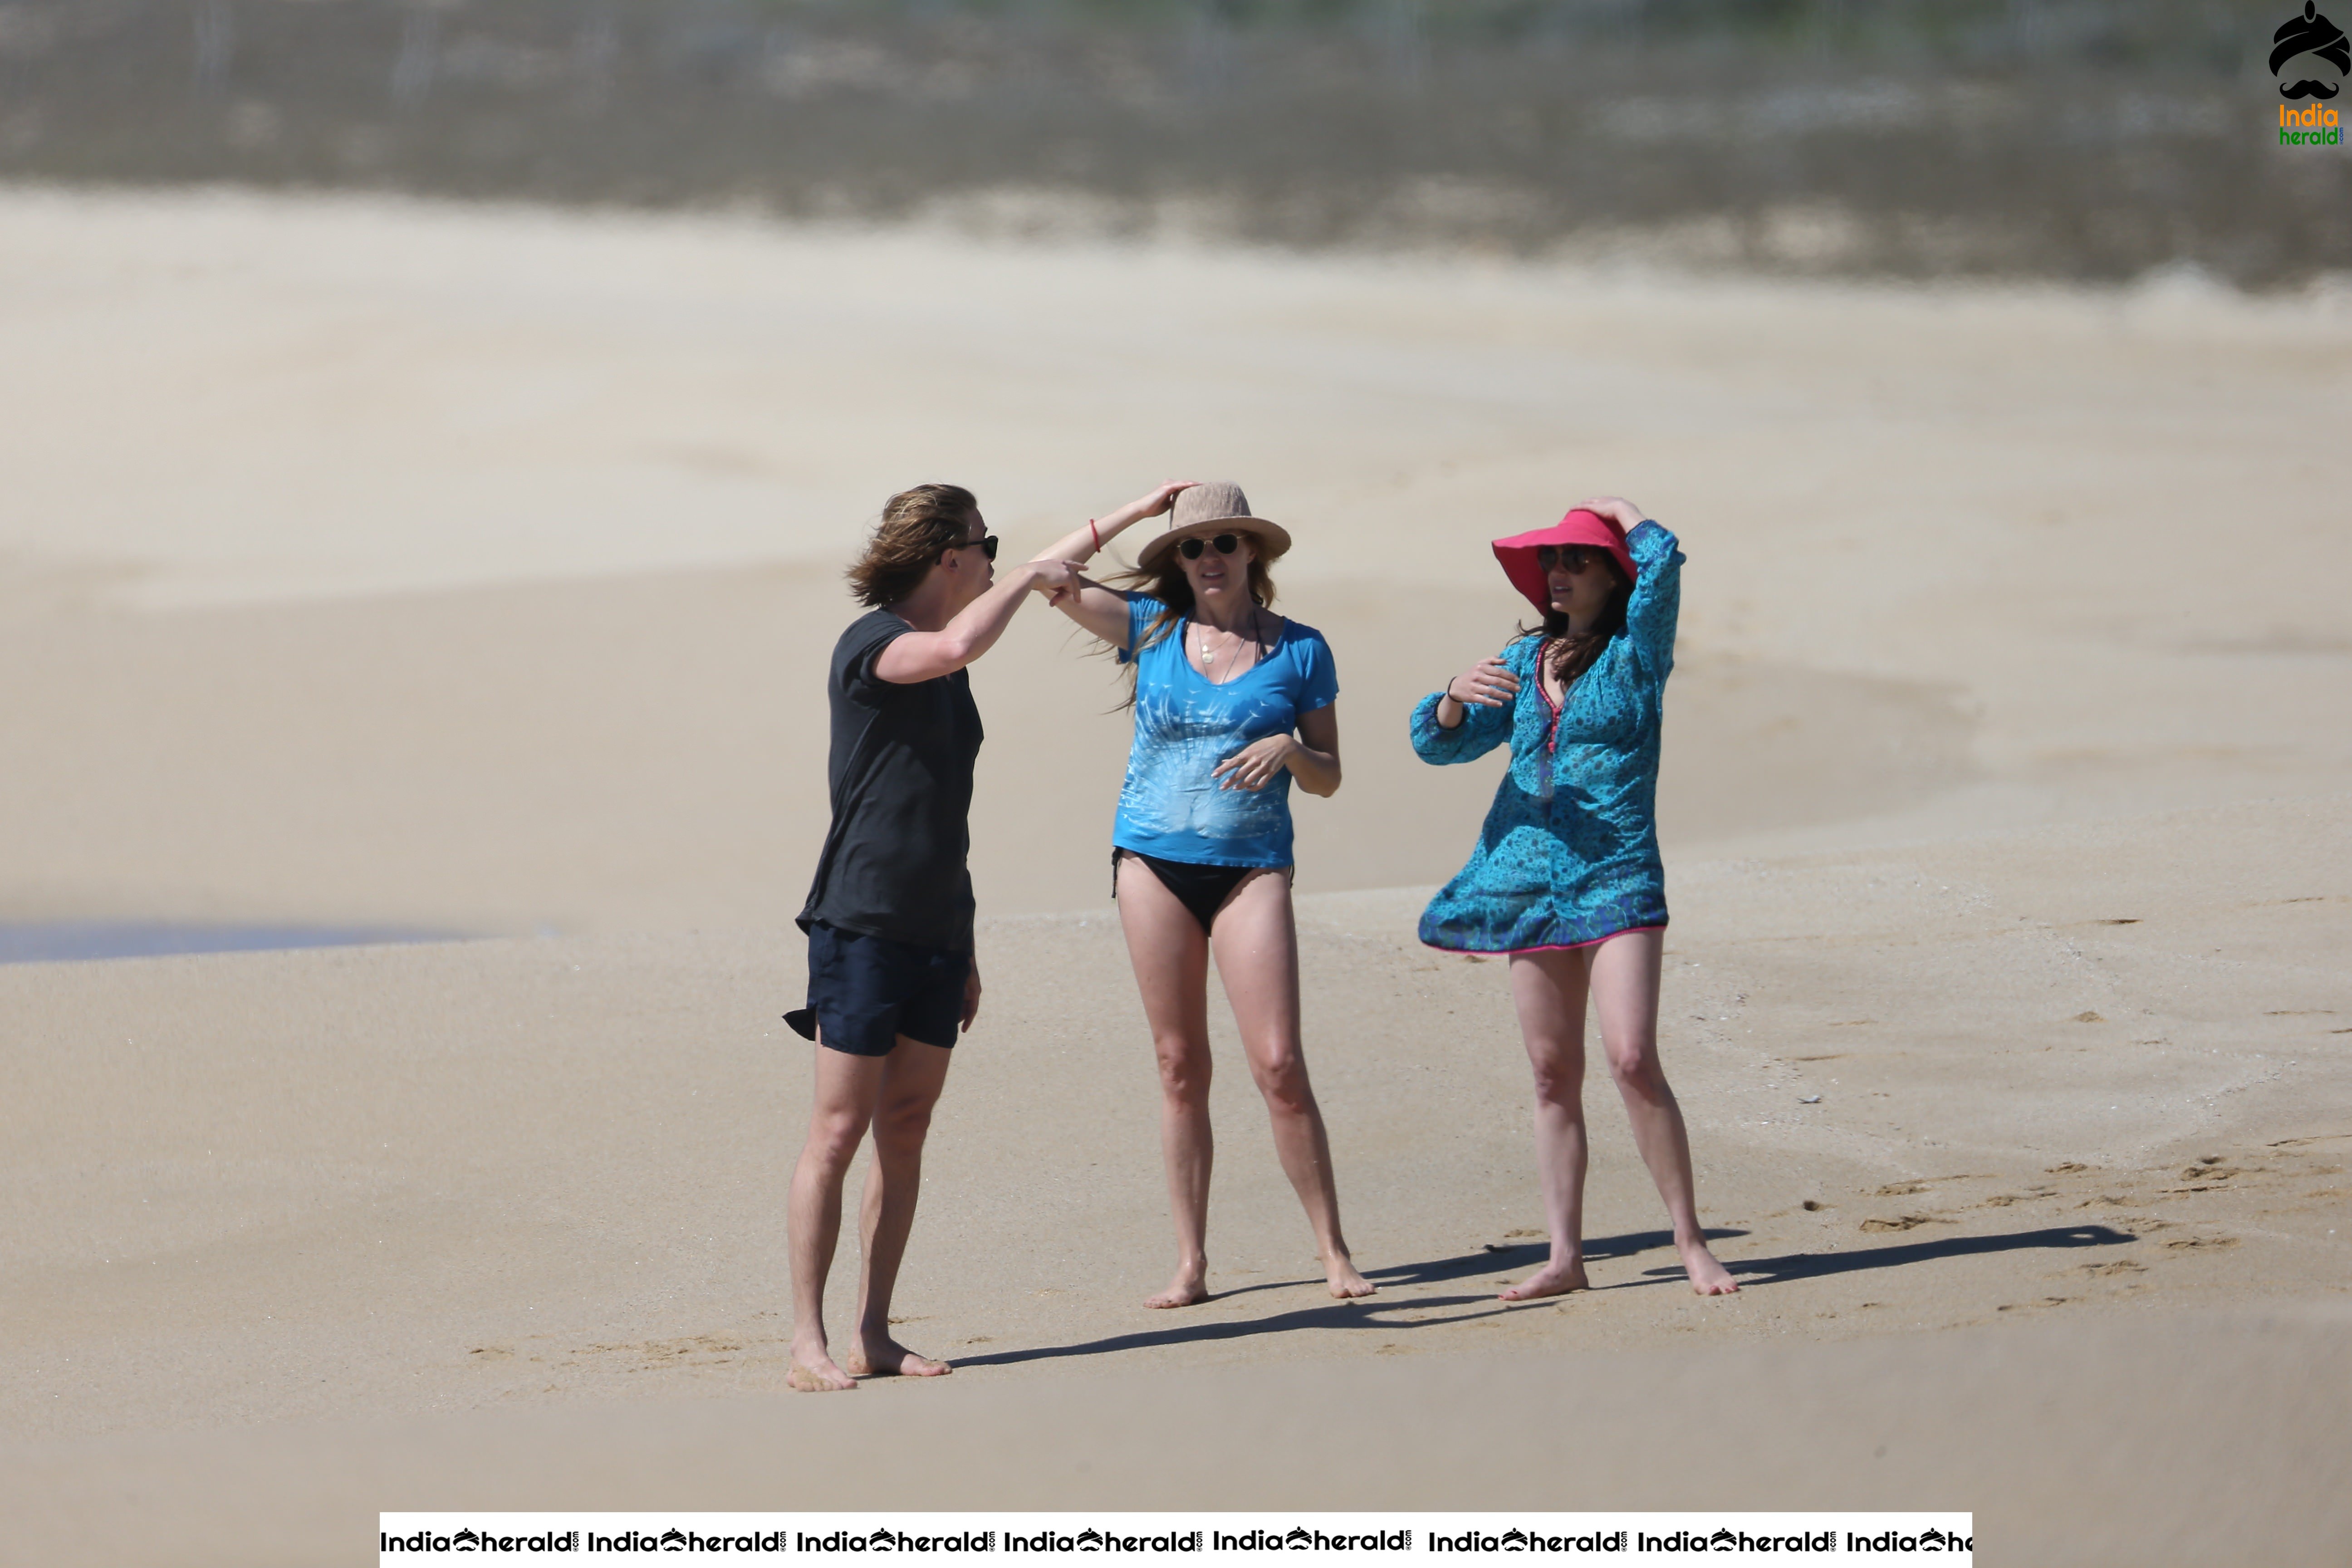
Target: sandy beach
{"points": [[470, 571]]}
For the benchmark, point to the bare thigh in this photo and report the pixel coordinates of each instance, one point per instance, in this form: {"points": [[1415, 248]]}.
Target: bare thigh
{"points": [[913, 1075], [1257, 942], [1623, 974], [1170, 955], [1549, 992]]}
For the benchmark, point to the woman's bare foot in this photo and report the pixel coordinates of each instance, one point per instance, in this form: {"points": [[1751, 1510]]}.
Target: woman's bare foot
{"points": [[1340, 1273], [1551, 1279], [885, 1357], [814, 1373], [1188, 1288], [1708, 1277]]}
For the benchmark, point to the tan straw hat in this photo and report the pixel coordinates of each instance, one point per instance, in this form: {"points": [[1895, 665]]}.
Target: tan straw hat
{"points": [[1206, 510]]}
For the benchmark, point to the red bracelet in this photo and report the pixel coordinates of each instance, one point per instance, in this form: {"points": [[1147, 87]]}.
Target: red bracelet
{"points": [[1090, 528]]}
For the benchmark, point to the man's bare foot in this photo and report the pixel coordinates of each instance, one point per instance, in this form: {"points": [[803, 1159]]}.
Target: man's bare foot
{"points": [[1339, 1274], [1188, 1288], [817, 1374], [1551, 1279], [885, 1357], [1708, 1277]]}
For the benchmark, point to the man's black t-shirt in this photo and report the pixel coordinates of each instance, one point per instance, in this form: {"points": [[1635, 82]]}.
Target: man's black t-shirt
{"points": [[900, 777]]}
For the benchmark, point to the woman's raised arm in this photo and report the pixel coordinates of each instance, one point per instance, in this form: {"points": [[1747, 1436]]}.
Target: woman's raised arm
{"points": [[921, 655], [1103, 611], [1655, 601], [1080, 543]]}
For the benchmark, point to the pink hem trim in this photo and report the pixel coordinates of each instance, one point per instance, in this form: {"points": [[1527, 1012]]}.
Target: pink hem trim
{"points": [[1553, 947], [1573, 946]]}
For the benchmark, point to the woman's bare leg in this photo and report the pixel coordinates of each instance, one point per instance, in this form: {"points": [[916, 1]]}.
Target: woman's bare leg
{"points": [[848, 1088], [913, 1074], [1549, 990], [1624, 971], [1171, 970], [1256, 944]]}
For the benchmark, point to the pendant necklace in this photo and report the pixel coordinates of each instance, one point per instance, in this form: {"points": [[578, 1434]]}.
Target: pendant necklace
{"points": [[1232, 652]]}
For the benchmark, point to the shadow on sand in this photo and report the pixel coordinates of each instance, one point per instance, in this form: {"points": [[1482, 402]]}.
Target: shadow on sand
{"points": [[1402, 1314], [1820, 1265]]}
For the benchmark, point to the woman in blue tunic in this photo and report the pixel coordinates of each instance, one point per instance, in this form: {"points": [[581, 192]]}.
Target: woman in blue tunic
{"points": [[1232, 703], [1566, 877]]}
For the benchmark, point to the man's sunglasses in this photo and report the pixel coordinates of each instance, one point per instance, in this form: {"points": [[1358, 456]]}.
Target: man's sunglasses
{"points": [[1569, 558], [985, 544], [1223, 544]]}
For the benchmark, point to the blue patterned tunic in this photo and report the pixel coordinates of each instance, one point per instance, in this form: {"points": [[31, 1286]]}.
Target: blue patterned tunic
{"points": [[1570, 861]]}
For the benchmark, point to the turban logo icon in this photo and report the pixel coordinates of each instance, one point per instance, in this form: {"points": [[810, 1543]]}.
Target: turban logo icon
{"points": [[2310, 36]]}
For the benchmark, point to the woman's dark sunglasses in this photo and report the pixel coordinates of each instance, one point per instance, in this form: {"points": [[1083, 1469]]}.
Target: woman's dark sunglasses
{"points": [[1569, 558], [1223, 543], [985, 544]]}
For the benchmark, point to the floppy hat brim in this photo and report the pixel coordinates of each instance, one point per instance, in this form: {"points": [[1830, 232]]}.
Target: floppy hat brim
{"points": [[1517, 553], [1272, 536]]}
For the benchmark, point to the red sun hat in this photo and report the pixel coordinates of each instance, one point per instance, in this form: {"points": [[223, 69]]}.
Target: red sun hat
{"points": [[1517, 553]]}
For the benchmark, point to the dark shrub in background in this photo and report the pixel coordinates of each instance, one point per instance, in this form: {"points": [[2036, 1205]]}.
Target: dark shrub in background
{"points": [[2056, 138]]}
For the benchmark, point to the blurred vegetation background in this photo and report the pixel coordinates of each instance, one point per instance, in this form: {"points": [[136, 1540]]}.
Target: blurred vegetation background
{"points": [[2076, 139]]}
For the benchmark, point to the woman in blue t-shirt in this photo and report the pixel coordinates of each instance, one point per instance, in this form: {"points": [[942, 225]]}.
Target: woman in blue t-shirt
{"points": [[1232, 702]]}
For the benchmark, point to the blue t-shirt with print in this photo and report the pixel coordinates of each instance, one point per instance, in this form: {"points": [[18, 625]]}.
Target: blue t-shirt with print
{"points": [[1172, 807]]}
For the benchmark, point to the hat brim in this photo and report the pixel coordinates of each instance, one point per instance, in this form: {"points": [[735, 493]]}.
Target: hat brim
{"points": [[1517, 553], [1273, 540]]}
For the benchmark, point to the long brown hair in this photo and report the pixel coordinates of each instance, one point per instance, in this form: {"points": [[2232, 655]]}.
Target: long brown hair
{"points": [[917, 526], [1167, 584], [1576, 653]]}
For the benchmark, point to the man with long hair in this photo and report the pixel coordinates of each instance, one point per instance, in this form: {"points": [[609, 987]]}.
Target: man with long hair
{"points": [[892, 976]]}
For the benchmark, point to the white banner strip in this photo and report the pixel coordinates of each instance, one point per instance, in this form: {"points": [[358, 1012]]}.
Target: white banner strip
{"points": [[1622, 1540]]}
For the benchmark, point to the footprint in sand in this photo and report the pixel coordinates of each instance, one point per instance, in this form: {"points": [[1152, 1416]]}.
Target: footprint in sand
{"points": [[1901, 1189], [2190, 1241], [2121, 1266], [1907, 1222]]}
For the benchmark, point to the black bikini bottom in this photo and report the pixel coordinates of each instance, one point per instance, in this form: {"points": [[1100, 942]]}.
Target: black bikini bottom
{"points": [[1200, 888]]}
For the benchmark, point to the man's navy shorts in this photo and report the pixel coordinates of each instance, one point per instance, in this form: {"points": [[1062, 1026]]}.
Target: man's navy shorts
{"points": [[867, 991]]}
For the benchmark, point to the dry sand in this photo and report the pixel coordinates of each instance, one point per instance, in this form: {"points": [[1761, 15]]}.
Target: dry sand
{"points": [[471, 571]]}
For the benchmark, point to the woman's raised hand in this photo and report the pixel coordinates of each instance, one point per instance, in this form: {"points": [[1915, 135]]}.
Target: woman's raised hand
{"points": [[1488, 683], [1153, 502], [1617, 510], [1080, 543]]}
